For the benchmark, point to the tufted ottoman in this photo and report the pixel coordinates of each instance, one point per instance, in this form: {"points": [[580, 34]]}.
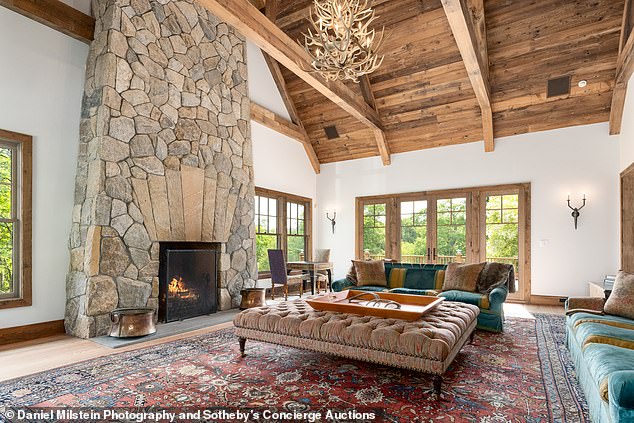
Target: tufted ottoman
{"points": [[427, 345]]}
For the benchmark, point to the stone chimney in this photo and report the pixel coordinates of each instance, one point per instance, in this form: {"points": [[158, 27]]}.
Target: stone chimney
{"points": [[165, 155]]}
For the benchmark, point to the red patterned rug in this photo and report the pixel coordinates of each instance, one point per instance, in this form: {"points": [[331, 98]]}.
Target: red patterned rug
{"points": [[522, 375]]}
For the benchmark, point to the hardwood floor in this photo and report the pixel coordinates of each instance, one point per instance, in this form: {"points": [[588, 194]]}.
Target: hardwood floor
{"points": [[40, 355]]}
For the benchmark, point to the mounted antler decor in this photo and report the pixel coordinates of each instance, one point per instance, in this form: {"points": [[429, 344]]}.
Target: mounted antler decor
{"points": [[343, 45], [332, 220], [575, 210]]}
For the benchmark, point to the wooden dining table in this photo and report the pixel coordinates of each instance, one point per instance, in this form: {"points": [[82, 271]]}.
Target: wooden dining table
{"points": [[312, 267]]}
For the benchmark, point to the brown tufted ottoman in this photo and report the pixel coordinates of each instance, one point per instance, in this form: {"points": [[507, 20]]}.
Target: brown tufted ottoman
{"points": [[428, 345]]}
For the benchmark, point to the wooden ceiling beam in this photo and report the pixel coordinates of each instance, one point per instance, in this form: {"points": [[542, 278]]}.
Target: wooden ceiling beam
{"points": [[466, 19], [57, 15], [245, 18], [280, 125], [381, 140], [278, 78], [624, 68]]}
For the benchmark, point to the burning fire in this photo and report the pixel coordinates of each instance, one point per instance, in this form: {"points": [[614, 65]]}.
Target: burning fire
{"points": [[177, 287]]}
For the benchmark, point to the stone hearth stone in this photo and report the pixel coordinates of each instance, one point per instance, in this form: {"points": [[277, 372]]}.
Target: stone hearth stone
{"points": [[132, 293], [102, 296], [114, 257]]}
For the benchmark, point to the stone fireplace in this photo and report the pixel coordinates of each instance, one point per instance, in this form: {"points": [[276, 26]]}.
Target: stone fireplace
{"points": [[188, 280], [165, 156]]}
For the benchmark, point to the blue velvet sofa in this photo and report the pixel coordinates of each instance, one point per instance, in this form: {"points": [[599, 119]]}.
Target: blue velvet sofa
{"points": [[427, 279], [602, 348]]}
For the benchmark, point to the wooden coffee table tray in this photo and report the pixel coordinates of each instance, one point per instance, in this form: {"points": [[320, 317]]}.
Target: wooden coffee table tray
{"points": [[379, 304]]}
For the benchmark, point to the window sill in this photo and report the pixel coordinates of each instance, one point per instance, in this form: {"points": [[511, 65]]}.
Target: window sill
{"points": [[15, 302]]}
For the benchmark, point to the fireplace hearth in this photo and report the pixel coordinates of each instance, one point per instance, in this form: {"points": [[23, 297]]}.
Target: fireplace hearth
{"points": [[188, 280]]}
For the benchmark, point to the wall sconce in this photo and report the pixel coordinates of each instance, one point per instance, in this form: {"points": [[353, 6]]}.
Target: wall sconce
{"points": [[575, 210], [332, 220]]}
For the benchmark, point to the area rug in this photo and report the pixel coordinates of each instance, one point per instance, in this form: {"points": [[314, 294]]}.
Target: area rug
{"points": [[521, 375]]}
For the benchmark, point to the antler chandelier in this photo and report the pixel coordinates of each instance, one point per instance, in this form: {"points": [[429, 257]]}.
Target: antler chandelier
{"points": [[343, 45]]}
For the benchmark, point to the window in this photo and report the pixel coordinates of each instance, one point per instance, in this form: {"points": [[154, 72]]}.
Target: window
{"points": [[282, 221], [502, 232], [451, 227], [414, 232], [266, 235], [15, 219], [467, 225], [374, 233], [295, 231]]}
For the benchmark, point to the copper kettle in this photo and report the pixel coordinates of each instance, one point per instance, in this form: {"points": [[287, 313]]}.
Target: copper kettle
{"points": [[130, 322]]}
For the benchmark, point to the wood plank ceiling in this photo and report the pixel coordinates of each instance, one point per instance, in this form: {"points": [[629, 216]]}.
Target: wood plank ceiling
{"points": [[422, 90], [422, 97]]}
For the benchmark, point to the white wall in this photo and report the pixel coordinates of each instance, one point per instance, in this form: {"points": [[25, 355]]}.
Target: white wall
{"points": [[576, 160], [626, 138], [280, 163], [41, 85]]}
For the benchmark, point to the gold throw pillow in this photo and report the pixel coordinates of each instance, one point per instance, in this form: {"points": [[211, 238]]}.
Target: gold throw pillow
{"points": [[462, 277], [370, 272]]}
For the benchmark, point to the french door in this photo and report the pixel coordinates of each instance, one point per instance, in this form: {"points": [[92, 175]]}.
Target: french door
{"points": [[464, 226], [433, 229]]}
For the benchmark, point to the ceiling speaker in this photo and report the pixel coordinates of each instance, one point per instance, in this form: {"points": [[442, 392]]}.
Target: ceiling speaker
{"points": [[331, 132], [558, 86]]}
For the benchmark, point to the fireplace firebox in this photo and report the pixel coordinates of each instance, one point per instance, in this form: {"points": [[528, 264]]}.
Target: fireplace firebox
{"points": [[188, 280]]}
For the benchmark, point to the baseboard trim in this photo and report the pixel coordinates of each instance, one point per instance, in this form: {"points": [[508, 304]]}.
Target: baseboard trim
{"points": [[30, 332], [551, 300]]}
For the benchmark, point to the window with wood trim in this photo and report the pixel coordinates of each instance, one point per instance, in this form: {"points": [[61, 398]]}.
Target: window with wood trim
{"points": [[414, 232], [283, 221], [15, 219], [374, 230], [266, 234], [295, 231], [461, 225]]}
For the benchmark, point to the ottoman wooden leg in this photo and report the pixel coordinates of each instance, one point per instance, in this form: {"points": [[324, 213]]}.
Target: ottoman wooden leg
{"points": [[437, 385], [242, 342], [472, 336]]}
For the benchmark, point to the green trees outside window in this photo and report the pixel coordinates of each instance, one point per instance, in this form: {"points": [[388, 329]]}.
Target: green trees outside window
{"points": [[451, 223], [502, 228], [7, 220], [374, 223], [282, 221], [414, 231], [266, 235], [296, 234]]}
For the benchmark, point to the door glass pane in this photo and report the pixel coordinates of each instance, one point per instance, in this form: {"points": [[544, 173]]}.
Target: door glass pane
{"points": [[374, 231], [451, 227], [414, 232], [502, 230]]}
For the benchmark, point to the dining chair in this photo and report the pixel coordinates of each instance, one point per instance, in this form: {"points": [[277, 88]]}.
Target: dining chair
{"points": [[279, 275], [322, 255]]}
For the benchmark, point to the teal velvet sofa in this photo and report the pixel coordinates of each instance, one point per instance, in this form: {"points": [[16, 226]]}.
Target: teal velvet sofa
{"points": [[602, 348], [427, 279]]}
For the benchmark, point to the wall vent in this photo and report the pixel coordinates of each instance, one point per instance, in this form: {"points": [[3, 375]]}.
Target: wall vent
{"points": [[331, 132], [558, 86]]}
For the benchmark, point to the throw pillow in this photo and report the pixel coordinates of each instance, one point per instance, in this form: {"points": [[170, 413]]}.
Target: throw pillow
{"points": [[462, 277], [621, 300], [352, 274], [370, 272]]}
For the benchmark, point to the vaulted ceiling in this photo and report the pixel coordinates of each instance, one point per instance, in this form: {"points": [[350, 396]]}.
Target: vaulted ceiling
{"points": [[423, 93], [455, 71]]}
